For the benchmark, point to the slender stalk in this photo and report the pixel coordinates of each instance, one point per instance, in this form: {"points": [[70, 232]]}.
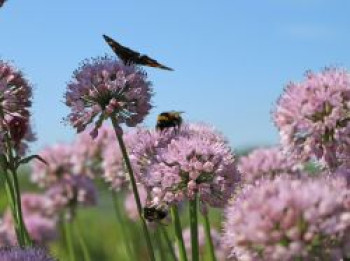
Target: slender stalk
{"points": [[208, 237], [81, 239], [24, 231], [194, 229], [10, 197], [178, 233], [69, 240], [168, 242], [134, 188], [122, 226], [158, 238]]}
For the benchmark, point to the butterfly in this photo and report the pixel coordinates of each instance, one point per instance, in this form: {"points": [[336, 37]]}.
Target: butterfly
{"points": [[129, 56]]}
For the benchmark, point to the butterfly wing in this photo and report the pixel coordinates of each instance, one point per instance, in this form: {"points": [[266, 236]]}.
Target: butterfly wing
{"points": [[125, 54], [129, 56], [146, 60]]}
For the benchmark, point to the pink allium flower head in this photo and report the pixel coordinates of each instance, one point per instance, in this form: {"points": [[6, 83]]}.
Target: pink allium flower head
{"points": [[59, 165], [15, 101], [71, 191], [65, 187], [24, 254], [87, 157], [266, 163], [39, 218], [113, 166], [173, 166], [285, 219], [103, 87], [186, 234], [313, 116]]}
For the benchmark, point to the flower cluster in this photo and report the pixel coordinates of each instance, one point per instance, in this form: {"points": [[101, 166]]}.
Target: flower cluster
{"points": [[26, 254], [266, 163], [173, 166], [313, 117], [88, 156], [286, 219], [39, 218], [15, 101], [66, 188], [105, 87]]}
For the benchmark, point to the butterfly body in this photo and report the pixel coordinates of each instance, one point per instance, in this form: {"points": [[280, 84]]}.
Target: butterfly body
{"points": [[129, 56]]}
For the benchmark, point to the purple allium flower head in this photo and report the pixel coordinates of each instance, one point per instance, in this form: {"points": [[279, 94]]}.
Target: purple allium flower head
{"points": [[285, 219], [59, 164], [313, 116], [39, 218], [105, 87], [15, 101], [71, 191], [26, 254], [266, 163], [186, 234], [174, 166]]}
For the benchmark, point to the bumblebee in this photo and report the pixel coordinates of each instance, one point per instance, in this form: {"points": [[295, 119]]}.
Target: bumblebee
{"points": [[152, 214], [171, 119]]}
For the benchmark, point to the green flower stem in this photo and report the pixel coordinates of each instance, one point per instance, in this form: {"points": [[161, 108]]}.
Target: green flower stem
{"points": [[158, 238], [208, 237], [10, 197], [134, 188], [168, 242], [122, 225], [69, 241], [13, 186], [178, 233], [194, 229], [24, 231], [81, 239]]}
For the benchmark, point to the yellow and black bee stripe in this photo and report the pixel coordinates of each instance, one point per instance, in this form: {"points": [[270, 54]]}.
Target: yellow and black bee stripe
{"points": [[152, 214], [170, 119]]}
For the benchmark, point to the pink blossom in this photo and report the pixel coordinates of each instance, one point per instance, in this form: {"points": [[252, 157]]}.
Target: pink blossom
{"points": [[313, 117], [173, 166], [39, 217], [285, 219], [266, 163], [105, 87], [15, 102]]}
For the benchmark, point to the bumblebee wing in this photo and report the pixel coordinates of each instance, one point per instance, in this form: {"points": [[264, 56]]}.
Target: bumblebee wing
{"points": [[148, 61], [125, 54]]}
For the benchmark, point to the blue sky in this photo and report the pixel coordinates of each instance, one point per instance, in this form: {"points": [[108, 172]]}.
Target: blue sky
{"points": [[231, 58]]}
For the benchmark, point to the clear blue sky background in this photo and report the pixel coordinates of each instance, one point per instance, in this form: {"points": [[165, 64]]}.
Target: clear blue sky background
{"points": [[231, 58]]}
